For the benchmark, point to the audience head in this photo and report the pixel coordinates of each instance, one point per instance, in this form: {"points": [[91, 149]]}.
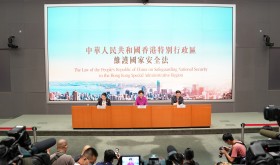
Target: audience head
{"points": [[85, 148], [90, 154], [189, 155], [228, 138], [177, 159], [178, 93], [62, 145], [109, 156], [140, 93], [104, 96]]}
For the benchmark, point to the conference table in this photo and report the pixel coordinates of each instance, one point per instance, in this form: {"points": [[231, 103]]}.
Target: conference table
{"points": [[154, 116]]}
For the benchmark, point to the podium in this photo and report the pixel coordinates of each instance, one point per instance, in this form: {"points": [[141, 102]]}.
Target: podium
{"points": [[156, 116]]}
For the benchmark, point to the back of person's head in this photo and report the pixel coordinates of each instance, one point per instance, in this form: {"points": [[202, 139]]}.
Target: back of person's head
{"points": [[189, 154], [90, 152], [62, 145], [109, 156], [85, 148], [227, 136]]}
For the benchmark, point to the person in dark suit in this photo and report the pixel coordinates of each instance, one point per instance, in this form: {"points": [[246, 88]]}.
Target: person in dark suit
{"points": [[177, 99], [104, 101]]}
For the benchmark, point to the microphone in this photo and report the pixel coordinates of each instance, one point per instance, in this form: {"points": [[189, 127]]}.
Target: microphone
{"points": [[43, 145], [270, 134], [171, 150]]}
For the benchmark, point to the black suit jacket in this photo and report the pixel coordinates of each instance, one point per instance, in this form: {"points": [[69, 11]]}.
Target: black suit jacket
{"points": [[174, 100], [108, 102]]}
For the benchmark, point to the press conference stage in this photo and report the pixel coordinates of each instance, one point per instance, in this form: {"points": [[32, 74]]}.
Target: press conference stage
{"points": [[61, 125]]}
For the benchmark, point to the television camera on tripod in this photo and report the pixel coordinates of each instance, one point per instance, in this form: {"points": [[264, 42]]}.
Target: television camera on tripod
{"points": [[266, 152], [17, 149]]}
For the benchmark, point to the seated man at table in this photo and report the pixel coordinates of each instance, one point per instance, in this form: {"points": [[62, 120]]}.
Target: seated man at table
{"points": [[177, 99], [141, 99], [104, 101]]}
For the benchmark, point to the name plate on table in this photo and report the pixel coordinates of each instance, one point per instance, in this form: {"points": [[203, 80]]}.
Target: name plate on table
{"points": [[181, 106], [141, 106], [101, 107]]}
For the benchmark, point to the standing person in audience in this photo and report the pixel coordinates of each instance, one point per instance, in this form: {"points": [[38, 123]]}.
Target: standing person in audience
{"points": [[60, 157], [104, 101], [189, 155], [89, 156], [141, 99], [177, 99], [109, 156], [235, 154]]}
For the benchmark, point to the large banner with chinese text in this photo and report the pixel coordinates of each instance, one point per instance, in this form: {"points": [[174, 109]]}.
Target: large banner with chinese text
{"points": [[123, 48]]}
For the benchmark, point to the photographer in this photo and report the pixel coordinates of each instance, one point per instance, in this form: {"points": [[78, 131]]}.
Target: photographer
{"points": [[236, 153]]}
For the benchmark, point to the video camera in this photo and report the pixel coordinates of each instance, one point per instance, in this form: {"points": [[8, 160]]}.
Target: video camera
{"points": [[263, 152], [266, 152], [154, 160], [17, 149], [221, 148], [174, 158], [272, 113]]}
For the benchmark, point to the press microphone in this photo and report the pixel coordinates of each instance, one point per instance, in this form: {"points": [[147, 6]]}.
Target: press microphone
{"points": [[43, 145], [270, 134], [171, 150]]}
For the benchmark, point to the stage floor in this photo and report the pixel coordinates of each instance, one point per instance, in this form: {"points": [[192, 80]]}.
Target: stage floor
{"points": [[61, 125]]}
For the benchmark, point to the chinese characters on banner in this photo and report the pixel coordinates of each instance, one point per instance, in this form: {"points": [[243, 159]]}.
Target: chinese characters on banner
{"points": [[141, 54]]}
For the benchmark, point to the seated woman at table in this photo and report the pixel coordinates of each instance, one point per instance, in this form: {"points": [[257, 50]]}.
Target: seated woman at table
{"points": [[141, 99], [104, 101], [177, 99]]}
